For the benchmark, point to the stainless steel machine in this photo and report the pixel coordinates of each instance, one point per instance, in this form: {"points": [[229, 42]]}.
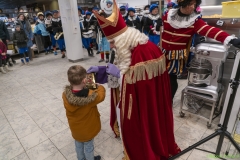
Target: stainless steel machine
{"points": [[205, 80], [209, 73]]}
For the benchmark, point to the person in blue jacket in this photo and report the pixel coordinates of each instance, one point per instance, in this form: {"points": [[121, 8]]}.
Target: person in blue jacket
{"points": [[40, 29]]}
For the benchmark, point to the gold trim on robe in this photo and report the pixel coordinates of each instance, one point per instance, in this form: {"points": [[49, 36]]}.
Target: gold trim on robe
{"points": [[152, 68]]}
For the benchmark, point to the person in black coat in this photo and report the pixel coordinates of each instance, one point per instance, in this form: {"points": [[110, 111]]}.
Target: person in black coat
{"points": [[21, 39], [133, 20], [152, 24], [58, 32], [123, 12], [145, 14]]}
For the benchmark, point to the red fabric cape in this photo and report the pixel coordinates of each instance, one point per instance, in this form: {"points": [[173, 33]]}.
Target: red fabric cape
{"points": [[148, 132]]}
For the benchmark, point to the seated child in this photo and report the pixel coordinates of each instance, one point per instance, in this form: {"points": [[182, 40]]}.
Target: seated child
{"points": [[3, 57], [82, 113]]}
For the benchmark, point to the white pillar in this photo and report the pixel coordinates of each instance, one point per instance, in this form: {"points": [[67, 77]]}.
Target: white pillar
{"points": [[71, 29]]}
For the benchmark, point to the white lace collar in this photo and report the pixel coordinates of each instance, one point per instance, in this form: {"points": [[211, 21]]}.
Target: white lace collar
{"points": [[124, 15], [40, 21], [48, 21], [153, 17], [132, 18], [177, 21], [81, 18], [56, 19]]}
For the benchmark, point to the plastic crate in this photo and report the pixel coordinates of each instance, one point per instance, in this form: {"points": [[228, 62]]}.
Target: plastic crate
{"points": [[231, 9]]}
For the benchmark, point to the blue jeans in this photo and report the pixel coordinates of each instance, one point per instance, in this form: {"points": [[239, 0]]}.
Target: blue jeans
{"points": [[85, 150]]}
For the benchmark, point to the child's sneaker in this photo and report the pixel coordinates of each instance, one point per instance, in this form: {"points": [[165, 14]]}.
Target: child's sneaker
{"points": [[55, 52], [46, 53], [101, 60]]}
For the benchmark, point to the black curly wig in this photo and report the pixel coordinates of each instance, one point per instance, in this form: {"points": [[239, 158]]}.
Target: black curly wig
{"points": [[185, 3], [147, 6]]}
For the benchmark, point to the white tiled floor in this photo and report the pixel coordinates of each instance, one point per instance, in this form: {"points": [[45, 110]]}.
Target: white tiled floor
{"points": [[33, 124]]}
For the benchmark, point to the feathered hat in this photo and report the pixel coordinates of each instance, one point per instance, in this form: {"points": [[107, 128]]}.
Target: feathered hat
{"points": [[48, 13], [40, 14], [131, 9], [153, 6], [122, 8], [171, 4], [114, 25], [88, 13]]}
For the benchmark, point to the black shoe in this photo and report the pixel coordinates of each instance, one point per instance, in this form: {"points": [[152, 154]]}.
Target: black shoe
{"points": [[63, 56], [91, 50], [10, 64], [98, 52], [97, 157], [107, 60]]}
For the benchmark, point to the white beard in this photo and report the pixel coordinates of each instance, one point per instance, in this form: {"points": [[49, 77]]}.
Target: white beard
{"points": [[124, 44]]}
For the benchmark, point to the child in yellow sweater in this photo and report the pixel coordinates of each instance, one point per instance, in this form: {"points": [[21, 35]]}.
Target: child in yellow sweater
{"points": [[82, 113]]}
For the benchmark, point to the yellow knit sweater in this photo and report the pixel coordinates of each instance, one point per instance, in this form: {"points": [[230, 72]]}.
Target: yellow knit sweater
{"points": [[82, 113]]}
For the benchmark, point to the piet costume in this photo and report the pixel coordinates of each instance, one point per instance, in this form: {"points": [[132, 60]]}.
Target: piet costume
{"points": [[87, 32], [58, 33], [146, 120], [176, 38], [152, 25], [133, 21], [123, 9], [103, 44]]}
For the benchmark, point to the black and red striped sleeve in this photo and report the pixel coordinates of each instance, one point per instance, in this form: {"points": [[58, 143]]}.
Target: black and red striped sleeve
{"points": [[203, 29]]}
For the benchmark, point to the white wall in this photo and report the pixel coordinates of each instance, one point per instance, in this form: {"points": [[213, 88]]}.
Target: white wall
{"points": [[134, 3]]}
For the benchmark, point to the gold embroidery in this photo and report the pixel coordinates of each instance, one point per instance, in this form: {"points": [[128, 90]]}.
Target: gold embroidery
{"points": [[215, 37], [175, 43], [152, 68], [176, 34], [173, 53], [117, 33], [209, 31], [124, 96], [191, 27], [116, 129], [130, 107], [201, 28], [181, 66]]}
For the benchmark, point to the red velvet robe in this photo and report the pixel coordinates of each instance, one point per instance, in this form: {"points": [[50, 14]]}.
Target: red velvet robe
{"points": [[146, 107]]}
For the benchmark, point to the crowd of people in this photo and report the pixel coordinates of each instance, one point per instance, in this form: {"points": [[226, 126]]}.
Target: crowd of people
{"points": [[147, 60], [150, 52]]}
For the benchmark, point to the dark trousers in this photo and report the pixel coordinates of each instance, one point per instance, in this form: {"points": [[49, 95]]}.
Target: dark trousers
{"points": [[174, 84], [2, 62], [46, 42]]}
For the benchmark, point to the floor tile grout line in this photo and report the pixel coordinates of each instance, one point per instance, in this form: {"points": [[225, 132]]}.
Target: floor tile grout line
{"points": [[14, 133]]}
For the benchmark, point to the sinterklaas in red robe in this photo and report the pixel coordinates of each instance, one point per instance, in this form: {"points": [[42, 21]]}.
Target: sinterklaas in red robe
{"points": [[146, 107]]}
